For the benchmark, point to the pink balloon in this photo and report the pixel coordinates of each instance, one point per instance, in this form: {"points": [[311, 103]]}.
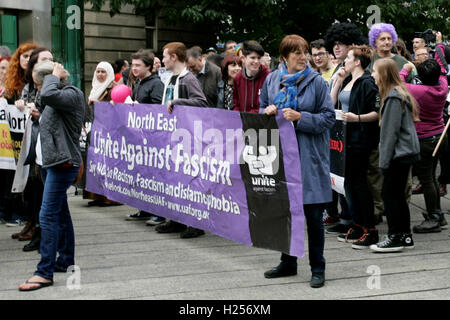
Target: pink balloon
{"points": [[120, 92]]}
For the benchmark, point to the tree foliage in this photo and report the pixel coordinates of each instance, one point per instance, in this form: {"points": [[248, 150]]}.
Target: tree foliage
{"points": [[269, 20]]}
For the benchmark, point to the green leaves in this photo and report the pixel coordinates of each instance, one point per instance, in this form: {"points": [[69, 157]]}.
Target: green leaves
{"points": [[269, 20]]}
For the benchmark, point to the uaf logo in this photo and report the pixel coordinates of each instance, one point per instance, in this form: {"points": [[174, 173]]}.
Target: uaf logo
{"points": [[261, 165]]}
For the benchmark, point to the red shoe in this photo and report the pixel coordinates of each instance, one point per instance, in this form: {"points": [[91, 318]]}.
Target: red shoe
{"points": [[443, 190], [418, 189], [328, 221]]}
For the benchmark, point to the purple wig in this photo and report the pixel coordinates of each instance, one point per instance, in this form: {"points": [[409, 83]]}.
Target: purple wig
{"points": [[379, 28]]}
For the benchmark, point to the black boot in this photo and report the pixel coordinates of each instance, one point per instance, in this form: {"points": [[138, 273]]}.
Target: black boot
{"points": [[35, 241], [282, 270], [431, 223]]}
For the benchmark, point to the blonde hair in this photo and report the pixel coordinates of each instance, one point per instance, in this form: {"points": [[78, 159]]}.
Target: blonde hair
{"points": [[389, 79]]}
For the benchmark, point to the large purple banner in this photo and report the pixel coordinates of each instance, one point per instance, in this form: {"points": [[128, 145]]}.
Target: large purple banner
{"points": [[236, 175]]}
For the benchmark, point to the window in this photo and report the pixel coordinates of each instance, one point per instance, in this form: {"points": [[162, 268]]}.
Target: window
{"points": [[8, 31]]}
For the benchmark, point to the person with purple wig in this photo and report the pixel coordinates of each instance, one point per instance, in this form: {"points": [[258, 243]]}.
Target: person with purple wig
{"points": [[383, 37]]}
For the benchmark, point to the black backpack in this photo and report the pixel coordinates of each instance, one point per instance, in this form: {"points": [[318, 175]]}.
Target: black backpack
{"points": [[444, 62]]}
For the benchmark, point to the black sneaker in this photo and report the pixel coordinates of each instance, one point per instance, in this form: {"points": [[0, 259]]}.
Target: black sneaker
{"points": [[191, 232], [338, 229], [391, 243], [317, 280], [407, 241], [353, 234], [170, 227], [280, 271], [140, 215], [155, 220], [330, 221], [368, 238]]}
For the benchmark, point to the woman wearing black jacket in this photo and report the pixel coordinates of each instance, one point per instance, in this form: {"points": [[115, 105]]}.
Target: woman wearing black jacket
{"points": [[357, 95]]}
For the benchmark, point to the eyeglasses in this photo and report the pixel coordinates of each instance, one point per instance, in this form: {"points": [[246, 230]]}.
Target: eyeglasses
{"points": [[320, 54]]}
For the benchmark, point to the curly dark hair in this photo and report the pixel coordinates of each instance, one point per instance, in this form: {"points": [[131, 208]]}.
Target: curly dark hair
{"points": [[347, 33]]}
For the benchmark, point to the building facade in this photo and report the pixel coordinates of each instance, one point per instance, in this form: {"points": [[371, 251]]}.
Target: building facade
{"points": [[80, 38]]}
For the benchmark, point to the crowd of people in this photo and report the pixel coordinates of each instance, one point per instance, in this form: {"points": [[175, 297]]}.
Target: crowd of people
{"points": [[394, 104]]}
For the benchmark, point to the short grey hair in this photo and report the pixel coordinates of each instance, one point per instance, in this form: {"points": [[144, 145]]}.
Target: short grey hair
{"points": [[193, 52], [5, 51], [44, 68]]}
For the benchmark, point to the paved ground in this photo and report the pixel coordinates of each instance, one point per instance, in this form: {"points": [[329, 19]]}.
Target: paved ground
{"points": [[129, 260]]}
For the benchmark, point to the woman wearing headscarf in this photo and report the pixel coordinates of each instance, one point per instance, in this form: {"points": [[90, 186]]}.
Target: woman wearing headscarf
{"points": [[102, 85]]}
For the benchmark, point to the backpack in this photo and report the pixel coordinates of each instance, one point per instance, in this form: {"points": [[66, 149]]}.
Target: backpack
{"points": [[444, 62]]}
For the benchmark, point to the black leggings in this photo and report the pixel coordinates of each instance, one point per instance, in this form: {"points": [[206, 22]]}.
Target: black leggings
{"points": [[396, 207], [357, 192]]}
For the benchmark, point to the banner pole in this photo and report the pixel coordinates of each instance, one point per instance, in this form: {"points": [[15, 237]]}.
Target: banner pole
{"points": [[441, 138]]}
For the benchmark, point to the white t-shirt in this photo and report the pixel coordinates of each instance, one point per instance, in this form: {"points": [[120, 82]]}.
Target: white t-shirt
{"points": [[38, 150]]}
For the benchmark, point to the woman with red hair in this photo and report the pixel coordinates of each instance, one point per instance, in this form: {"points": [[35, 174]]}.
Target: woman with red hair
{"points": [[11, 205], [231, 66], [15, 78]]}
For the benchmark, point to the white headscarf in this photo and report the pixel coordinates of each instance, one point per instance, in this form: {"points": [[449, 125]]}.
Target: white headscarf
{"points": [[99, 87]]}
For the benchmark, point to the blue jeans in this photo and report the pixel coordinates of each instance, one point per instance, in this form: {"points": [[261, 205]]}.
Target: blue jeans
{"points": [[57, 234], [316, 239]]}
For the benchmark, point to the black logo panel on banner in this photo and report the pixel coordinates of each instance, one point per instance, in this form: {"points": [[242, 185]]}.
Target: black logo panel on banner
{"points": [[262, 170]]}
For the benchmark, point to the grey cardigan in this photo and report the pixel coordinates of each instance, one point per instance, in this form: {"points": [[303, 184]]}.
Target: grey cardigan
{"points": [[398, 136], [61, 122], [209, 83], [189, 92]]}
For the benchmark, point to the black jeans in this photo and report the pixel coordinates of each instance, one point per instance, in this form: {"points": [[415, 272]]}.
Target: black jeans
{"points": [[395, 205], [316, 239], [11, 204], [358, 195], [332, 207], [425, 169], [33, 198]]}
